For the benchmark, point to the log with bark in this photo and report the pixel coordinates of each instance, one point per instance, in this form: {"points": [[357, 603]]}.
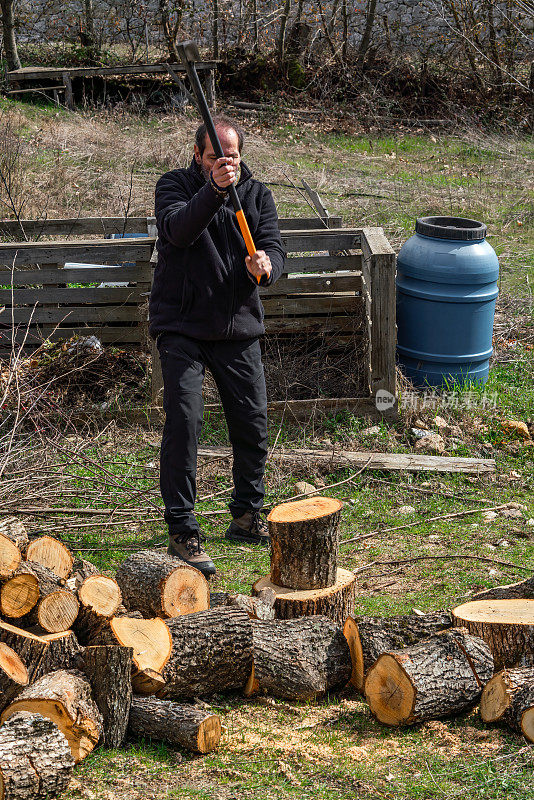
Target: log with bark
{"points": [[41, 653], [13, 544], [35, 758], [81, 570], [109, 671], [256, 607], [437, 677], [508, 698], [335, 602], [51, 553], [159, 585], [13, 675], [151, 642], [100, 599], [298, 659], [64, 697], [506, 625], [305, 543], [523, 590], [185, 726], [368, 637], [211, 652], [35, 595]]}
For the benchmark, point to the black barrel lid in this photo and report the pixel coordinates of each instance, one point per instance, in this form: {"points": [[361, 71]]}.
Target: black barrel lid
{"points": [[458, 228]]}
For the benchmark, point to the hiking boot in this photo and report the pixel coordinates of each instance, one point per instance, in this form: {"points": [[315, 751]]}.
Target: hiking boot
{"points": [[188, 548], [251, 528]]}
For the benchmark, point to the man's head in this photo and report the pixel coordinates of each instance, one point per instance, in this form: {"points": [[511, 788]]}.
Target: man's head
{"points": [[231, 137]]}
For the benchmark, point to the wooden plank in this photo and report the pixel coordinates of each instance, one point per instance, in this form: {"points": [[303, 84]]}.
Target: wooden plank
{"points": [[411, 462], [83, 251], [99, 226], [379, 264], [36, 89], [310, 325], [315, 283], [45, 276], [320, 240], [310, 305], [308, 223], [113, 295], [106, 334], [70, 314], [37, 73], [323, 263]]}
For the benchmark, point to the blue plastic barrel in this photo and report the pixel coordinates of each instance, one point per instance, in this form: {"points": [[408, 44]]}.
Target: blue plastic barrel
{"points": [[446, 290]]}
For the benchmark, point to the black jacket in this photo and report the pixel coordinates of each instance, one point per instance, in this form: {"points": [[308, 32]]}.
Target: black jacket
{"points": [[201, 286]]}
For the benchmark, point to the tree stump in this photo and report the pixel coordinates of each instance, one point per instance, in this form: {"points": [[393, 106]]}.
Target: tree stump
{"points": [[99, 598], [65, 698], [211, 652], [13, 543], [35, 758], [368, 637], [109, 671], [335, 602], [51, 553], [298, 659], [437, 677], [305, 543], [13, 675], [509, 698], [186, 726], [159, 585], [506, 625]]}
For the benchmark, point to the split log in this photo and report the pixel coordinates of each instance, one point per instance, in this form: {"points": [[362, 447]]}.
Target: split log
{"points": [[508, 698], [64, 697], [36, 595], [255, 607], [151, 642], [523, 590], [335, 602], [185, 726], [13, 544], [51, 553], [298, 659], [13, 675], [35, 758], [437, 677], [109, 670], [81, 570], [368, 637], [41, 653], [159, 585], [305, 543], [506, 625], [100, 599], [211, 652]]}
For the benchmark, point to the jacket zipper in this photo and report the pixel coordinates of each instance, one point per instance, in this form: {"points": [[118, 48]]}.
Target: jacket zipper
{"points": [[230, 265]]}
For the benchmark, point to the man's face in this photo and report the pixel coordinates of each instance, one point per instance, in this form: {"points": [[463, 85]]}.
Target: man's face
{"points": [[230, 146]]}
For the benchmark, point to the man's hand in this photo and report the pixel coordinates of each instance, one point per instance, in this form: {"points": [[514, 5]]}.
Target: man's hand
{"points": [[223, 172], [259, 264]]}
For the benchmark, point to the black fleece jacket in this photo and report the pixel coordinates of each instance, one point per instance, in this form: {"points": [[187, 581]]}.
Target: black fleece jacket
{"points": [[201, 286]]}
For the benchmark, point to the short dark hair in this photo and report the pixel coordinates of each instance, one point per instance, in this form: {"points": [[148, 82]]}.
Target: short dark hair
{"points": [[221, 121]]}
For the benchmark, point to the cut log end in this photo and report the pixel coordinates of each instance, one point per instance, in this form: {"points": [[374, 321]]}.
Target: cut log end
{"points": [[150, 639], [10, 557], [51, 553], [19, 595], [507, 626], [209, 734], [527, 724], [185, 591], [58, 611], [100, 594], [12, 666], [302, 510], [391, 691], [147, 681], [495, 699]]}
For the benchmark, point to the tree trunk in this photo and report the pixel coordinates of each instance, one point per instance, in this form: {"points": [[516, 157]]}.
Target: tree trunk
{"points": [[437, 677], [41, 654], [109, 671], [335, 602], [99, 598], [211, 652], [151, 642], [159, 585], [36, 595], [368, 30], [13, 544], [35, 758], [298, 659], [65, 698], [13, 675], [255, 607], [506, 625], [305, 543], [51, 553], [523, 590], [10, 42], [509, 698], [215, 29], [369, 637], [280, 47], [183, 726]]}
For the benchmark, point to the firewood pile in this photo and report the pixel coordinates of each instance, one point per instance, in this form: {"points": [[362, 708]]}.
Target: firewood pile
{"points": [[87, 659]]}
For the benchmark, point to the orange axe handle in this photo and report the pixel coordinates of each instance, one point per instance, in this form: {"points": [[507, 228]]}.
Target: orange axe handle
{"points": [[245, 232]]}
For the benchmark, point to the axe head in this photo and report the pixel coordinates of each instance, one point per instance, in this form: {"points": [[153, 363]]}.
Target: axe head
{"points": [[188, 51]]}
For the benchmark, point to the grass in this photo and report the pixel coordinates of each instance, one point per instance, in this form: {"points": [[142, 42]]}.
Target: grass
{"points": [[332, 748]]}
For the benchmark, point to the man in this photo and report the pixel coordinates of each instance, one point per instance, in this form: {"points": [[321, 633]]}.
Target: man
{"points": [[205, 311]]}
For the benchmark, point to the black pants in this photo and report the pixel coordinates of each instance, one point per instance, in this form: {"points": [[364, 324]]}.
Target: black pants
{"points": [[238, 372]]}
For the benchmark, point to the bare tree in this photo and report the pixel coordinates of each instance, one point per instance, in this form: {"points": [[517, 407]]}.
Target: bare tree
{"points": [[171, 15], [368, 30], [10, 42]]}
